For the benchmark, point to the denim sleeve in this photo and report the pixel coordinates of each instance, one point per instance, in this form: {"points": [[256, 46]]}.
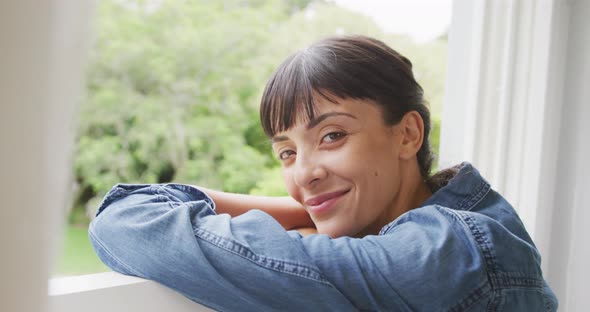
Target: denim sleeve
{"points": [[171, 234]]}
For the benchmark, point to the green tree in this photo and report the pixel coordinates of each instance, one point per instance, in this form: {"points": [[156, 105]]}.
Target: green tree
{"points": [[173, 89]]}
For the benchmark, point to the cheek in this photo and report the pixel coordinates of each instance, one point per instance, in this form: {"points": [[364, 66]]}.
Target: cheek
{"points": [[366, 159], [375, 167], [292, 188]]}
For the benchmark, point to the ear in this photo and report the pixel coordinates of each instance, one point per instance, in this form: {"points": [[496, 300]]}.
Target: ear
{"points": [[411, 128]]}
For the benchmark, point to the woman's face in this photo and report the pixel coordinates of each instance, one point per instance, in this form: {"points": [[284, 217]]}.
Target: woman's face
{"points": [[342, 166]]}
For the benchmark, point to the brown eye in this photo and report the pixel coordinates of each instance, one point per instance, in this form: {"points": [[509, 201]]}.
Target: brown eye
{"points": [[285, 154], [333, 137]]}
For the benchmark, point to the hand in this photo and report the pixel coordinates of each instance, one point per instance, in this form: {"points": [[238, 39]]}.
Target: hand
{"points": [[288, 212]]}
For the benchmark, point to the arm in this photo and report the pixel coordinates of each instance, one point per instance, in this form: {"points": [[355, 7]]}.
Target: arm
{"points": [[170, 234], [288, 212]]}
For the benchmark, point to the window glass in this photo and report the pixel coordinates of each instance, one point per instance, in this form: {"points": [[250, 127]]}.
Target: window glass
{"points": [[173, 89]]}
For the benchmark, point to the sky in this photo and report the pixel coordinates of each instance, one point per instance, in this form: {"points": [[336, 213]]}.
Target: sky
{"points": [[422, 20]]}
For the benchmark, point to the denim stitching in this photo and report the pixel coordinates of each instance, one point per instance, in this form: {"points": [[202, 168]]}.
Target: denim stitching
{"points": [[480, 292], [266, 262], [483, 243], [112, 196], [467, 204], [490, 259], [481, 191], [473, 297], [189, 189], [512, 280], [106, 250]]}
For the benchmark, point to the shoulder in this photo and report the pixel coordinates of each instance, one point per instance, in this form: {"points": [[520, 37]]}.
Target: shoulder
{"points": [[478, 256], [496, 233], [437, 257]]}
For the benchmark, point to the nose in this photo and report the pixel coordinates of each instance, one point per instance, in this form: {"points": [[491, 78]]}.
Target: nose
{"points": [[308, 170]]}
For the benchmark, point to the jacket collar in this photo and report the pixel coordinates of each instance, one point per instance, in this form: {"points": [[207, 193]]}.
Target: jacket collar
{"points": [[460, 187], [463, 189]]}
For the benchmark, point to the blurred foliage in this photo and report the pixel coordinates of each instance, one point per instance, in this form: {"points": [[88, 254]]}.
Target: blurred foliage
{"points": [[173, 89], [76, 255]]}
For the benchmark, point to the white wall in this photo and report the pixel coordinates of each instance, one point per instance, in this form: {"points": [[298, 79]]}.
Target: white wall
{"points": [[517, 106], [42, 52], [568, 270]]}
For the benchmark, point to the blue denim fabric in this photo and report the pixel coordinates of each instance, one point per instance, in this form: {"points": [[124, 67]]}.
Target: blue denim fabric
{"points": [[465, 249]]}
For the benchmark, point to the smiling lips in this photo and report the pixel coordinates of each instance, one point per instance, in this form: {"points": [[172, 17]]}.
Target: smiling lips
{"points": [[322, 203]]}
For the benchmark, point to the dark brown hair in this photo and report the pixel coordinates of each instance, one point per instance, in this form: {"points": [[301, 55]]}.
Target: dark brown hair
{"points": [[355, 67]]}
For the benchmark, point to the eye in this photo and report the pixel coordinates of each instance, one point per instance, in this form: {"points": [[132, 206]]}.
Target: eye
{"points": [[286, 154], [333, 137]]}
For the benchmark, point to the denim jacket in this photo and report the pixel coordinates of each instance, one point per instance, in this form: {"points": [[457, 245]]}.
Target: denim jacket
{"points": [[464, 249]]}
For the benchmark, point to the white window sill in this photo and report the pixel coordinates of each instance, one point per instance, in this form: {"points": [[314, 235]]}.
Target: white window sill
{"points": [[115, 292]]}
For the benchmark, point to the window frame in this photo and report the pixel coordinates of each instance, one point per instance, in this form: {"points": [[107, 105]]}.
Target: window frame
{"points": [[502, 112], [503, 101]]}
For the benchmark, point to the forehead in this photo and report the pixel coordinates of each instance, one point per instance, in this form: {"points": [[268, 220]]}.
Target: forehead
{"points": [[363, 111], [322, 105]]}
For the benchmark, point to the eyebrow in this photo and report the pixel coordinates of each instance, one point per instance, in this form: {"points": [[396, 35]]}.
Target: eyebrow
{"points": [[313, 123]]}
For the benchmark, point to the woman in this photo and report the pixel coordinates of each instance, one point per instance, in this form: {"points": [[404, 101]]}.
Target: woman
{"points": [[349, 124]]}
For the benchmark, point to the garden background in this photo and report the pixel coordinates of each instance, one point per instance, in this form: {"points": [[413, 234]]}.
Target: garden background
{"points": [[173, 90]]}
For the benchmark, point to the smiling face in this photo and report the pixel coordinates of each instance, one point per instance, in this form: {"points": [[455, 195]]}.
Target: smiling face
{"points": [[350, 125], [343, 166]]}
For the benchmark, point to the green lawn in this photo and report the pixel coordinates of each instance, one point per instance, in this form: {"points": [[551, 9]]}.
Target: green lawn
{"points": [[76, 256]]}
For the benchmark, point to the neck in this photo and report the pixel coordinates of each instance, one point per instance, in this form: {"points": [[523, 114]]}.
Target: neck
{"points": [[412, 192]]}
